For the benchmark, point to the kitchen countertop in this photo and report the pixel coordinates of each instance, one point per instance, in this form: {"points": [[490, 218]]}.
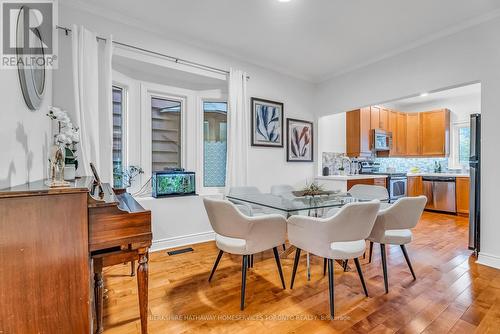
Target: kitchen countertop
{"points": [[351, 177], [439, 174]]}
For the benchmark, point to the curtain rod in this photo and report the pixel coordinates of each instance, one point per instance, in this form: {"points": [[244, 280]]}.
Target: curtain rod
{"points": [[171, 58]]}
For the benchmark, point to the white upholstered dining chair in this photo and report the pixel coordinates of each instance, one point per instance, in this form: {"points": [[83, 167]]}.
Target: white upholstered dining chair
{"points": [[236, 233], [282, 190], [393, 227], [246, 208], [340, 237], [369, 192], [366, 192]]}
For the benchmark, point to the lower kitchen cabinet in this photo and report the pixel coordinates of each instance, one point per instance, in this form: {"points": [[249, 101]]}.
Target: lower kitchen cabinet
{"points": [[462, 191], [373, 182], [415, 186]]}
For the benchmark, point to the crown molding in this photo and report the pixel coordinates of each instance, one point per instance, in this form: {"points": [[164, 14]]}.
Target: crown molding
{"points": [[421, 42]]}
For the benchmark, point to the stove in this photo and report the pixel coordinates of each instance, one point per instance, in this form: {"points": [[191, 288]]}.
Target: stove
{"points": [[396, 181]]}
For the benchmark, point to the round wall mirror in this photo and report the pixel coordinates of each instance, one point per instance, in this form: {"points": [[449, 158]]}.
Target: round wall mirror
{"points": [[32, 74]]}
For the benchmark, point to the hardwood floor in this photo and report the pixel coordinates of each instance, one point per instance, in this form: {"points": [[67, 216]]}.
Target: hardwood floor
{"points": [[451, 294]]}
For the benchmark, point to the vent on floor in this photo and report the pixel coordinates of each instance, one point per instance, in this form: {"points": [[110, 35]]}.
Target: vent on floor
{"points": [[180, 251]]}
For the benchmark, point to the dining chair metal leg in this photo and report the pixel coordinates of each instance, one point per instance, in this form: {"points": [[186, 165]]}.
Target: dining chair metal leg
{"points": [[295, 265], [244, 267], [361, 278], [331, 288], [371, 252], [344, 265], [278, 263], [215, 265], [251, 261], [405, 253], [308, 266], [284, 247], [384, 267], [324, 266]]}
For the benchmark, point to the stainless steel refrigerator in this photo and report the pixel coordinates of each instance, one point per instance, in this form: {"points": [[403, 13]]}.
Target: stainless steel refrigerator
{"points": [[475, 183]]}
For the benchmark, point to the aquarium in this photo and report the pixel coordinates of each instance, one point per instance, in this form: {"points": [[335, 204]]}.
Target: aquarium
{"points": [[173, 183]]}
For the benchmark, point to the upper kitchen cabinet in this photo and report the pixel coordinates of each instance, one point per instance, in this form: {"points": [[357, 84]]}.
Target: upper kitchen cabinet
{"points": [[384, 119], [379, 118], [358, 129], [413, 139], [392, 117], [414, 134], [400, 134], [435, 133], [375, 117]]}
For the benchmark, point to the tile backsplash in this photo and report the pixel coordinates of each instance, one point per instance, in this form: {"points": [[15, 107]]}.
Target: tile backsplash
{"points": [[404, 164], [334, 161]]}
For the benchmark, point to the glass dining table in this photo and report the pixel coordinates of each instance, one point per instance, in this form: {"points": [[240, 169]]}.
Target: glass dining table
{"points": [[289, 204]]}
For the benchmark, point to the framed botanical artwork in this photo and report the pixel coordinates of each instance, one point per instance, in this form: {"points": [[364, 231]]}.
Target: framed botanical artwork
{"points": [[267, 123], [300, 144]]}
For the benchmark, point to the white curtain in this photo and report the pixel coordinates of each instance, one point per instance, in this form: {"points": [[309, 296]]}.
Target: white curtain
{"points": [[238, 127], [93, 101]]}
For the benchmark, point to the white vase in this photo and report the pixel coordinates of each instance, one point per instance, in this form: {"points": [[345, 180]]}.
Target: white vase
{"points": [[69, 172]]}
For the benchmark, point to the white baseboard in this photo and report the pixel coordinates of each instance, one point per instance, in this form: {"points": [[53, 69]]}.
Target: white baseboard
{"points": [[183, 240], [489, 260]]}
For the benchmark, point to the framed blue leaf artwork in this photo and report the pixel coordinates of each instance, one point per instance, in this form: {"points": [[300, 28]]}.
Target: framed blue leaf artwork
{"points": [[267, 123]]}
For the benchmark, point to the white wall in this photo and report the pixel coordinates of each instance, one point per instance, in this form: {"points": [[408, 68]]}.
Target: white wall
{"points": [[468, 56], [25, 135], [267, 166], [331, 135]]}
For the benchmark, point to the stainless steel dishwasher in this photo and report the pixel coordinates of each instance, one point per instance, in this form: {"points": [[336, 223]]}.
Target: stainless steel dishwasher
{"points": [[440, 192]]}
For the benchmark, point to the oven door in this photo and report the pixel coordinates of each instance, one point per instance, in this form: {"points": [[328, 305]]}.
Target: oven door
{"points": [[397, 188]]}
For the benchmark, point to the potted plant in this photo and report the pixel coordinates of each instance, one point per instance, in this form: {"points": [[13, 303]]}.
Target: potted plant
{"points": [[123, 178], [64, 145]]}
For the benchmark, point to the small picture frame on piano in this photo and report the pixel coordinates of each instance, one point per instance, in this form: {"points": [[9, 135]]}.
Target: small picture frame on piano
{"points": [[97, 180]]}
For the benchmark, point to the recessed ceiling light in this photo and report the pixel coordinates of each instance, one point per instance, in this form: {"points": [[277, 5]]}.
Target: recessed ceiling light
{"points": [[424, 94]]}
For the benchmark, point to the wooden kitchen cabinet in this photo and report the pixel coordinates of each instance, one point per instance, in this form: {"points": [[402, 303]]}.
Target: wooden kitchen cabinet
{"points": [[422, 134], [384, 119], [415, 186], [413, 138], [393, 128], [435, 132], [358, 133], [375, 117], [400, 134], [462, 193], [381, 181]]}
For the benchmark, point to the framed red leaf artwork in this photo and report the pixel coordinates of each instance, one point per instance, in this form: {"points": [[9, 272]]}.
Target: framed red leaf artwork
{"points": [[300, 140]]}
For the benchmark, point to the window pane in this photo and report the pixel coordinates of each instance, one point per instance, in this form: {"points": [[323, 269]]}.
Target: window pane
{"points": [[166, 133], [215, 144], [117, 136], [464, 145]]}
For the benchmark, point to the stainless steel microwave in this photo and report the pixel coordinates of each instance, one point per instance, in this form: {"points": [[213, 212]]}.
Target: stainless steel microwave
{"points": [[382, 140]]}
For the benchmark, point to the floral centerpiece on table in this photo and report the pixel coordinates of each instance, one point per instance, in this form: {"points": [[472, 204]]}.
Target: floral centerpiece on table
{"points": [[313, 189]]}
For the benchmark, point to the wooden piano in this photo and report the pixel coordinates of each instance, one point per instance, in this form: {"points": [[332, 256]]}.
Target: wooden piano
{"points": [[53, 246]]}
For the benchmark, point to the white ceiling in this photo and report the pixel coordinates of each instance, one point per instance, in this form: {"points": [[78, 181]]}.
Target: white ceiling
{"points": [[146, 71], [311, 39], [470, 93]]}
